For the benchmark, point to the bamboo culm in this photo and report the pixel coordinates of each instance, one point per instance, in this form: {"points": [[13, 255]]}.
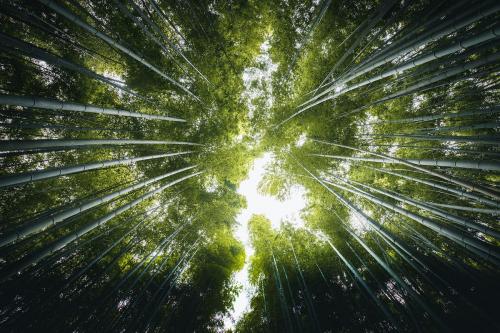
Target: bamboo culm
{"points": [[56, 172], [413, 88], [485, 111], [9, 145], [488, 140], [464, 44], [462, 164], [53, 104], [469, 209], [76, 20], [386, 236], [425, 207], [437, 32], [43, 222], [454, 180], [40, 54], [460, 193], [62, 242], [487, 252]]}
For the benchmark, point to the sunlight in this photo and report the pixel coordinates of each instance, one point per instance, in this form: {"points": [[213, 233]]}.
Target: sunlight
{"points": [[275, 210], [257, 80]]}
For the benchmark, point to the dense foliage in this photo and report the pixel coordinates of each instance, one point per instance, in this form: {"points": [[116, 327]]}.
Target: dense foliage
{"points": [[127, 126]]}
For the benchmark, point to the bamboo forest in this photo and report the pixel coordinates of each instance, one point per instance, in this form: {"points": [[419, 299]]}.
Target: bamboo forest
{"points": [[249, 166]]}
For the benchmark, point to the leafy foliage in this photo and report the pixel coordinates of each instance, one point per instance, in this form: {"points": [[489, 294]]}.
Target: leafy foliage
{"points": [[386, 112]]}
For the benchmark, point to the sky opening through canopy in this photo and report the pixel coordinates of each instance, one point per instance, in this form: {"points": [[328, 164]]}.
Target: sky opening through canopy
{"points": [[275, 210], [257, 82]]}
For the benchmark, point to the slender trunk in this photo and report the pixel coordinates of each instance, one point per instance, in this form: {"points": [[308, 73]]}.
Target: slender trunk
{"points": [[376, 37], [62, 242], [426, 83], [166, 39], [437, 32], [44, 222], [425, 207], [294, 305], [37, 22], [367, 26], [35, 52], [440, 148], [53, 104], [82, 271], [143, 292], [411, 89], [158, 10], [468, 209], [144, 29], [309, 303], [397, 278], [172, 278], [304, 40], [412, 30], [165, 241], [485, 111], [460, 193], [461, 164], [380, 230], [486, 251], [281, 294], [8, 145], [488, 140], [76, 20], [454, 180], [21, 125], [51, 173], [388, 237], [362, 282], [465, 44], [465, 128]]}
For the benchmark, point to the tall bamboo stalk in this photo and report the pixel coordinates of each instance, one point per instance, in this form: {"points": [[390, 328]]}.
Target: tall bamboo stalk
{"points": [[461, 164], [483, 111], [43, 222], [486, 251], [464, 44], [460, 193], [56, 172], [62, 242], [9, 145], [90, 29], [14, 44], [454, 180], [53, 104], [425, 207]]}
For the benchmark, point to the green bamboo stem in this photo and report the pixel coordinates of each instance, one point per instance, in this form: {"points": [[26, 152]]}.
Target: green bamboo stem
{"points": [[18, 179]]}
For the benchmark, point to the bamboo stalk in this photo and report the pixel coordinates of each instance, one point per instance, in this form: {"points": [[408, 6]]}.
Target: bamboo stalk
{"points": [[43, 222], [8, 145], [454, 180], [462, 164], [53, 104], [56, 172], [90, 29], [62, 242]]}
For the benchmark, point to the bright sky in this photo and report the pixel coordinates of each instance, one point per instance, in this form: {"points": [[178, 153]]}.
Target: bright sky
{"points": [[276, 211], [257, 82]]}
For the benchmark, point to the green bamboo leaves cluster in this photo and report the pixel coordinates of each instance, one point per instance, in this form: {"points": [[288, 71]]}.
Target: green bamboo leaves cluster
{"points": [[97, 187], [391, 125]]}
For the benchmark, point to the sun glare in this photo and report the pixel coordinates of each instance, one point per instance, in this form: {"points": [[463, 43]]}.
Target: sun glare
{"points": [[275, 210]]}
